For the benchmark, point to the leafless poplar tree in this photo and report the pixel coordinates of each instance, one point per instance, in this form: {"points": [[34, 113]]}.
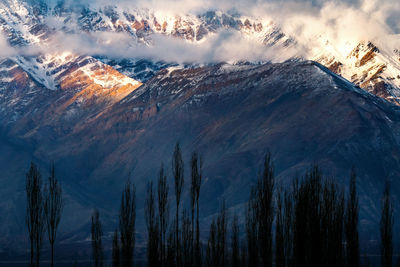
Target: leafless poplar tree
{"points": [[152, 228], [53, 206], [351, 224], [127, 220], [386, 228], [97, 246], [163, 212], [235, 259], [34, 212], [177, 170], [115, 250], [196, 168]]}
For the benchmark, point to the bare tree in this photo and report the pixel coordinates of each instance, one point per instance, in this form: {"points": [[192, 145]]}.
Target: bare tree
{"points": [[196, 168], [34, 212], [265, 211], [288, 227], [127, 220], [216, 247], [171, 247], [212, 257], [279, 232], [53, 206], [152, 228], [163, 212], [386, 228], [222, 223], [252, 230], [284, 228], [351, 223], [97, 246], [177, 170], [187, 242], [318, 216], [235, 261], [243, 254], [332, 226], [115, 250]]}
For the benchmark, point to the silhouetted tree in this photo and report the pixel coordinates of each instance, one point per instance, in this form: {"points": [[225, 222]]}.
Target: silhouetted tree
{"points": [[115, 250], [284, 228], [53, 206], [235, 259], [127, 219], [171, 246], [351, 224], [222, 223], [35, 212], [265, 211], [177, 170], [163, 213], [279, 232], [307, 231], [196, 173], [212, 257], [317, 222], [187, 240], [243, 254], [288, 227], [332, 227], [260, 216], [216, 246], [386, 228], [152, 228], [252, 230], [97, 246]]}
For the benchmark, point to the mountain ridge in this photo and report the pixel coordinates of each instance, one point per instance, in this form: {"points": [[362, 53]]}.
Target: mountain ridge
{"points": [[103, 119], [232, 115], [362, 62]]}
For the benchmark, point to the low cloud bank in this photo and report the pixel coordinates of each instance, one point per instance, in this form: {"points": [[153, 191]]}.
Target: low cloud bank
{"points": [[310, 22]]}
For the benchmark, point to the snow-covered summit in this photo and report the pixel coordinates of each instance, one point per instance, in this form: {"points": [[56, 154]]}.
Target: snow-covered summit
{"points": [[114, 35]]}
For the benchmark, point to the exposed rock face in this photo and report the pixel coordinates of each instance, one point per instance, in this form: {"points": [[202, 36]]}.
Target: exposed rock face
{"points": [[81, 87]]}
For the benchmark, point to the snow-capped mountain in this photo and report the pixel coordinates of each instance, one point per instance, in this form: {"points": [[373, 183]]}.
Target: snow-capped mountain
{"points": [[96, 89], [36, 27]]}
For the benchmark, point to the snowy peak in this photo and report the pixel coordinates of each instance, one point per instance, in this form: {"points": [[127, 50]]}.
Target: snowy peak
{"points": [[72, 72], [368, 67], [41, 26]]}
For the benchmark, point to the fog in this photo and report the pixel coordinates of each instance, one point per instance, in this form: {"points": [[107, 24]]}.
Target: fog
{"points": [[341, 23]]}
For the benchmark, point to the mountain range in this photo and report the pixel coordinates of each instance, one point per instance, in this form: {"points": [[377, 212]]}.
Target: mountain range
{"points": [[68, 95]]}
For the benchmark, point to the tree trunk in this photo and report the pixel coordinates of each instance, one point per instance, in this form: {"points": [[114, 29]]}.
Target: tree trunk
{"points": [[52, 255], [37, 258], [32, 253], [177, 235], [197, 256]]}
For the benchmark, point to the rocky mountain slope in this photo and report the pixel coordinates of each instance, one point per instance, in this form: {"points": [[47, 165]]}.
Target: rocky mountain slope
{"points": [[102, 118], [232, 114]]}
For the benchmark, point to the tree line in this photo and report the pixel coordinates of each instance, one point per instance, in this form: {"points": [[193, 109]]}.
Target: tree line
{"points": [[311, 222]]}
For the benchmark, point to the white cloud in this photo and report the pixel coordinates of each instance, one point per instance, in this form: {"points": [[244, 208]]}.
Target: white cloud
{"points": [[5, 49], [339, 21]]}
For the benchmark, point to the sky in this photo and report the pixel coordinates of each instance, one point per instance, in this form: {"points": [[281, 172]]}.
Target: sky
{"points": [[340, 21]]}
